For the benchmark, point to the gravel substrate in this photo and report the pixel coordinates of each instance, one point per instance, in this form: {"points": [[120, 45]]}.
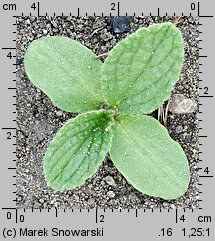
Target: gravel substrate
{"points": [[38, 120]]}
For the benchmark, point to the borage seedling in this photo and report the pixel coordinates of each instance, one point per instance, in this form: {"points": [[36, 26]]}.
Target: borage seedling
{"points": [[134, 80]]}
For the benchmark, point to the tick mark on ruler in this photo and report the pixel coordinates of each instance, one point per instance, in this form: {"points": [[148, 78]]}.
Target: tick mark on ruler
{"points": [[206, 16], [8, 128], [208, 96], [8, 48], [9, 208], [207, 176]]}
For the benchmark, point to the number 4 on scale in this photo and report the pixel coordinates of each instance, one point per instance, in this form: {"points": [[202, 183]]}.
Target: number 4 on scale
{"points": [[10, 56], [33, 6]]}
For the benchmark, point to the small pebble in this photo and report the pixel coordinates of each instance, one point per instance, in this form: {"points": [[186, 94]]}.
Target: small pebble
{"points": [[59, 113], [186, 141], [41, 200], [109, 180], [132, 196], [179, 129], [172, 206], [120, 24], [31, 18], [28, 22], [179, 104], [91, 201], [111, 194], [19, 61]]}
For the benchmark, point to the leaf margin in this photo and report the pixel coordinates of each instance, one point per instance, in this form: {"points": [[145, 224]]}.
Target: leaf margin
{"points": [[111, 56], [28, 59], [100, 153], [165, 197]]}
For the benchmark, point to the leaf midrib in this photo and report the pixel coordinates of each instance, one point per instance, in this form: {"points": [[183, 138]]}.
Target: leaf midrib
{"points": [[125, 89], [71, 77], [142, 147], [100, 124]]}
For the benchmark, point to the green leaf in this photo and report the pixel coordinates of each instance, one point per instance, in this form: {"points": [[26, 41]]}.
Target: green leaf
{"points": [[148, 158], [67, 71], [140, 71], [78, 149]]}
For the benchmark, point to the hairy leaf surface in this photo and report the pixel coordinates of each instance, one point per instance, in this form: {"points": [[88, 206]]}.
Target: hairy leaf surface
{"points": [[67, 71], [140, 71], [149, 159], [78, 149]]}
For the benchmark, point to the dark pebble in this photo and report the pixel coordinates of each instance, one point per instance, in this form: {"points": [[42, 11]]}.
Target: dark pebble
{"points": [[120, 24], [19, 61], [32, 18], [186, 141]]}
